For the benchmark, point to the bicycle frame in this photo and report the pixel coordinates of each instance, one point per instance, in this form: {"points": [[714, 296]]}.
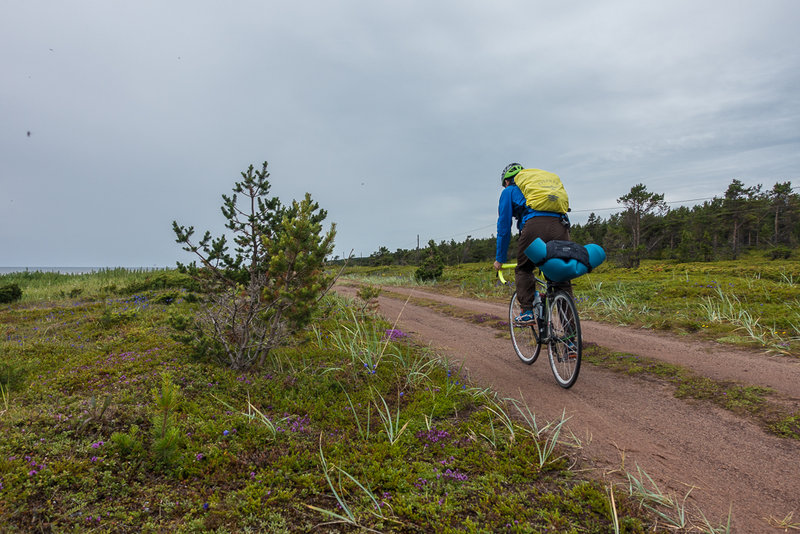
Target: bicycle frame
{"points": [[558, 329], [546, 295]]}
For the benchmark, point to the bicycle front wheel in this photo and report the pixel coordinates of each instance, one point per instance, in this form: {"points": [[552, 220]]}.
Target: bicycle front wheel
{"points": [[564, 343], [524, 338]]}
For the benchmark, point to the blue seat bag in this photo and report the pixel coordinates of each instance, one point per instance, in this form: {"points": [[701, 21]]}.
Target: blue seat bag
{"points": [[559, 265]]}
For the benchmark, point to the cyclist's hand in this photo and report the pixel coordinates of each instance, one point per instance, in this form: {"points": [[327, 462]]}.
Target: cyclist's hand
{"points": [[497, 265]]}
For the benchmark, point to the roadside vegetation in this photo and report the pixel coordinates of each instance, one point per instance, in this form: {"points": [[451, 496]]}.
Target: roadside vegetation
{"points": [[110, 425]]}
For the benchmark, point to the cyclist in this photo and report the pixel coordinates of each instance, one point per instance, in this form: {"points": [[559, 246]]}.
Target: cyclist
{"points": [[547, 225]]}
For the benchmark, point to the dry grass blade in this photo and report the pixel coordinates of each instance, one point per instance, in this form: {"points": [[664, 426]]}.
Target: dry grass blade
{"points": [[786, 523], [614, 516]]}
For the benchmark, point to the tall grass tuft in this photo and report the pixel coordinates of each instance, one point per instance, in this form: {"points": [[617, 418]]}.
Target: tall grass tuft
{"points": [[651, 497], [391, 424], [726, 307], [4, 395], [416, 366], [364, 345], [545, 447], [363, 431], [502, 415], [349, 516], [254, 414]]}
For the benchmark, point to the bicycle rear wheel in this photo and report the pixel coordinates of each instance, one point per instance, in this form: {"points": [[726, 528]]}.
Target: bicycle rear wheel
{"points": [[564, 343], [525, 339]]}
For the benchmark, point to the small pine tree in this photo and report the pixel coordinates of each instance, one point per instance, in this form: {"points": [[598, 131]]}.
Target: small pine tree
{"points": [[166, 433], [257, 297]]}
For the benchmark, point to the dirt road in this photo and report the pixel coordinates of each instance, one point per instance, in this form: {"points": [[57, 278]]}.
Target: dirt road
{"points": [[728, 462]]}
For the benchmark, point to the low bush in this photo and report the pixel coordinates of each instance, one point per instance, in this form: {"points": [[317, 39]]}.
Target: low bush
{"points": [[432, 266], [10, 293], [161, 280], [779, 253]]}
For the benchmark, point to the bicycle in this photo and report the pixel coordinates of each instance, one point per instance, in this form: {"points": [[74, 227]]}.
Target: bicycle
{"points": [[558, 327]]}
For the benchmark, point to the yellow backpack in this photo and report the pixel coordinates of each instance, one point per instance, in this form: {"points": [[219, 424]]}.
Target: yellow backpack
{"points": [[543, 190]]}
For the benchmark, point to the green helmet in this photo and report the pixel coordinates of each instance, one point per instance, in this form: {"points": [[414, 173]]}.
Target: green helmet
{"points": [[510, 171]]}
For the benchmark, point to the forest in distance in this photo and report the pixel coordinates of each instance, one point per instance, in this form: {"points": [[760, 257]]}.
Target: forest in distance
{"points": [[742, 219]]}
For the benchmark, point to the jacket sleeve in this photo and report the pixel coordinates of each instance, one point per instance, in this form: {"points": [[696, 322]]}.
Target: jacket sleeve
{"points": [[504, 219]]}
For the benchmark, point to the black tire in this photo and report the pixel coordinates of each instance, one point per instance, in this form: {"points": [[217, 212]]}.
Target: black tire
{"points": [[564, 343], [524, 338]]}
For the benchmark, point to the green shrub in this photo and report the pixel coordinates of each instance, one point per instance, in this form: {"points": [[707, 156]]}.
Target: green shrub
{"points": [[432, 266], [369, 296], [168, 297], [11, 376], [10, 293], [779, 253]]}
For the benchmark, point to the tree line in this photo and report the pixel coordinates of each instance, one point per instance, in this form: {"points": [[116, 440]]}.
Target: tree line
{"points": [[741, 219]]}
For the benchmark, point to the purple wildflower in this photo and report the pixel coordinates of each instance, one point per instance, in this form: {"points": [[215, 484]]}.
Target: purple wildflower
{"points": [[394, 334]]}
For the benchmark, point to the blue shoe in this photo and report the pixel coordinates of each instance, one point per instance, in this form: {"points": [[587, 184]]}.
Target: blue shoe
{"points": [[525, 318]]}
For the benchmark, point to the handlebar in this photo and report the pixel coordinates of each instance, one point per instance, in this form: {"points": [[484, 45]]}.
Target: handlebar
{"points": [[503, 268]]}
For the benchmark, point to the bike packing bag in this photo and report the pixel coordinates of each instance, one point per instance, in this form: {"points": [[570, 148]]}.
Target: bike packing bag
{"points": [[560, 261], [543, 190], [567, 250]]}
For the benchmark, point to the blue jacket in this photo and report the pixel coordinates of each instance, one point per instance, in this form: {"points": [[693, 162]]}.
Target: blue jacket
{"points": [[512, 204]]}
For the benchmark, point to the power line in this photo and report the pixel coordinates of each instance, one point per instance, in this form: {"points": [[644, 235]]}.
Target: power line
{"points": [[670, 202], [621, 208]]}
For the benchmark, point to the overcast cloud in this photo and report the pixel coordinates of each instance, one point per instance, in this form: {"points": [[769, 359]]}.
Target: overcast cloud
{"points": [[396, 116]]}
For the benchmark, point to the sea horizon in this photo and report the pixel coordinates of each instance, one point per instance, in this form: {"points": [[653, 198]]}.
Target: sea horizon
{"points": [[73, 270]]}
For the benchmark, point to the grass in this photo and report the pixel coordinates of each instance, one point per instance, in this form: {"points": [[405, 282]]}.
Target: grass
{"points": [[46, 286], [111, 426]]}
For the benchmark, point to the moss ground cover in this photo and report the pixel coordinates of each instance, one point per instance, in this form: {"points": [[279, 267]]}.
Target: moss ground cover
{"points": [[109, 425]]}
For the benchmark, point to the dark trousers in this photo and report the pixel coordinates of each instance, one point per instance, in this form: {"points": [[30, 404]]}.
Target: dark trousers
{"points": [[547, 228]]}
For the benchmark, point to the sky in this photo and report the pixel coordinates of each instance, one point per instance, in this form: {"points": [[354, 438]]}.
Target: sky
{"points": [[117, 118]]}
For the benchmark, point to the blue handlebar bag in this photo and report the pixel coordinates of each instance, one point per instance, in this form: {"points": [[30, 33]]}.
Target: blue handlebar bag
{"points": [[561, 261]]}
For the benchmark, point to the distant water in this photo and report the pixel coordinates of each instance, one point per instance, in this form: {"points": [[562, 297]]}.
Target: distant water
{"points": [[70, 270]]}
